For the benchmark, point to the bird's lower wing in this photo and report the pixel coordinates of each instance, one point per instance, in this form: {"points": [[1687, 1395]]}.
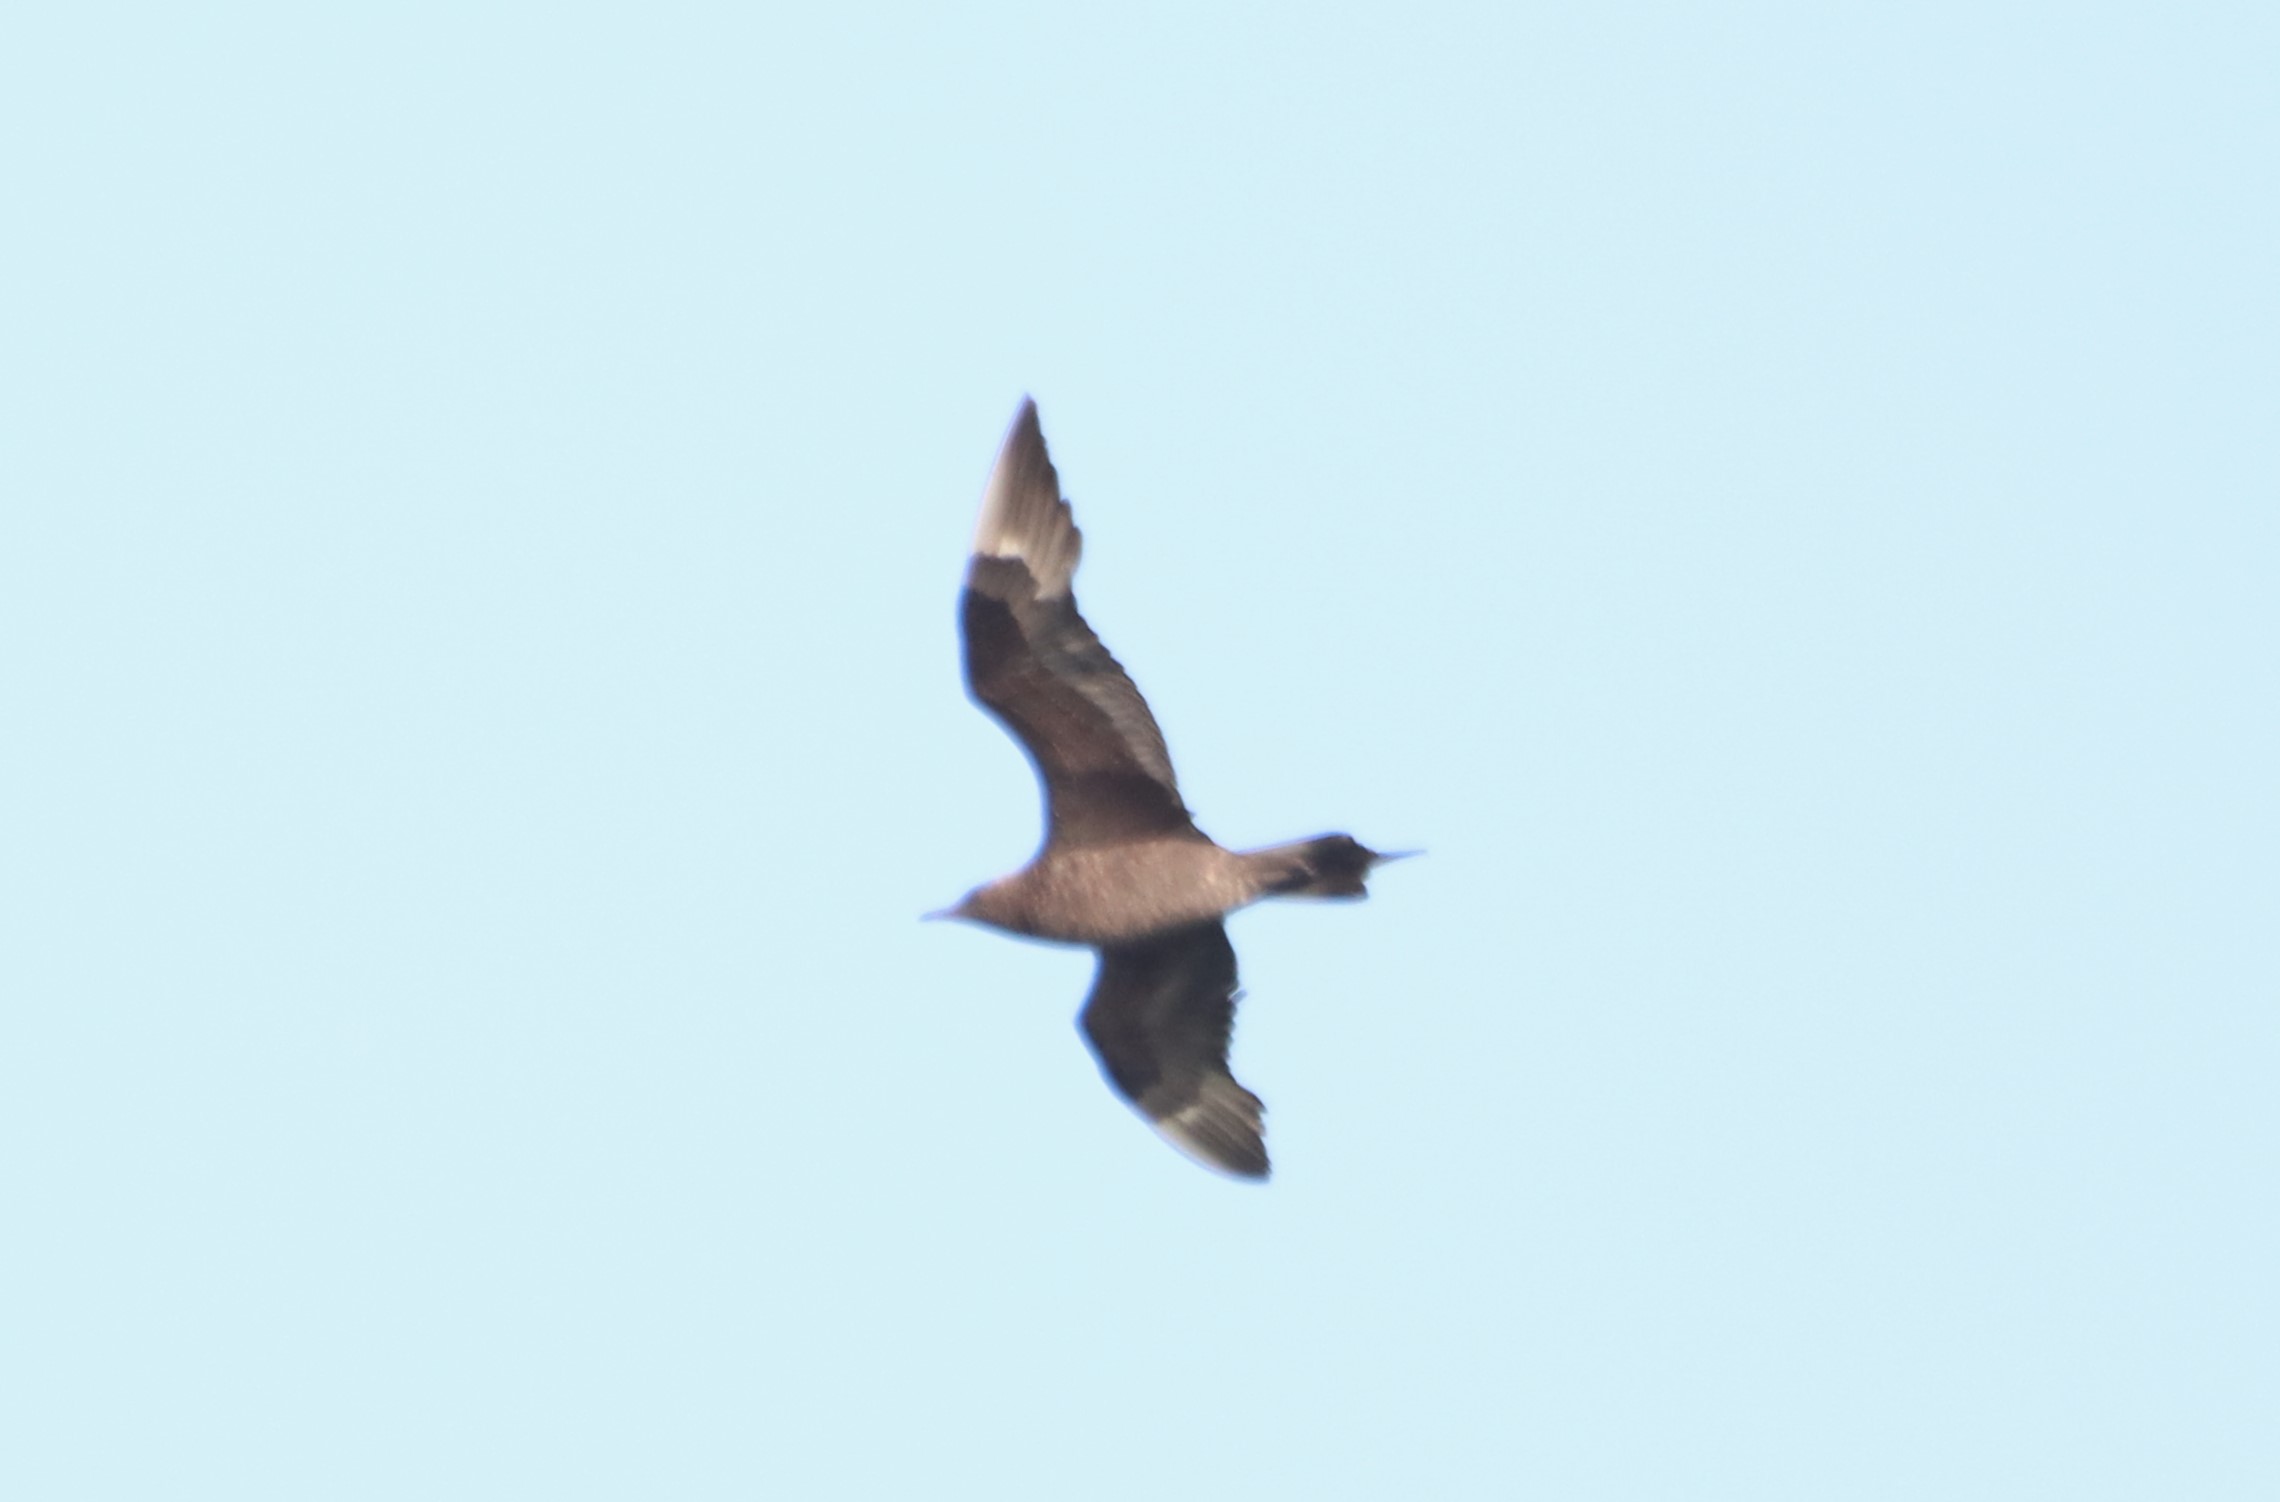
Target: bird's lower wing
{"points": [[1159, 1019]]}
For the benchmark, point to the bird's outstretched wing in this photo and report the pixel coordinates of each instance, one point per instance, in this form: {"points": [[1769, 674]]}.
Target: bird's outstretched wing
{"points": [[1159, 1018], [1033, 662]]}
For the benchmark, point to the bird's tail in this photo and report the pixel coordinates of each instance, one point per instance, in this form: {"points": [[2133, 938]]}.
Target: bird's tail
{"points": [[1330, 865]]}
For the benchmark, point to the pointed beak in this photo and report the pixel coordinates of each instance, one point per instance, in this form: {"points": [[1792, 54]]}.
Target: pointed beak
{"points": [[1383, 856], [938, 915]]}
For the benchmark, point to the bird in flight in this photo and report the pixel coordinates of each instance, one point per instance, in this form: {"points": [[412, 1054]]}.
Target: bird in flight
{"points": [[1123, 869]]}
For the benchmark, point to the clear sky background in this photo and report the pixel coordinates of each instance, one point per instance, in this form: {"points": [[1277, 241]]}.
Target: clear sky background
{"points": [[1782, 501]]}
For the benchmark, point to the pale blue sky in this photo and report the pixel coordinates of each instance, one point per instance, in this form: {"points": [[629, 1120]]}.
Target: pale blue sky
{"points": [[1782, 501]]}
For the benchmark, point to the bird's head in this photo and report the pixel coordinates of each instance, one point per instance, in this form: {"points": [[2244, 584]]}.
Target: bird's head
{"points": [[988, 903]]}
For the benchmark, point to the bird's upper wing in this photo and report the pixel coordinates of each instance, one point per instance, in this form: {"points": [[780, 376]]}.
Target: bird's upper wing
{"points": [[1159, 1018], [1033, 662]]}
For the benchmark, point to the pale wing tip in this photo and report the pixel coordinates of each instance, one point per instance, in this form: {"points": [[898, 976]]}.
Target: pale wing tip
{"points": [[1023, 513], [1025, 432], [1020, 458], [1221, 1131]]}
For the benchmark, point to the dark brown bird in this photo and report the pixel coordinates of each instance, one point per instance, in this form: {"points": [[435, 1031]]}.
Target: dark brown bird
{"points": [[1123, 868]]}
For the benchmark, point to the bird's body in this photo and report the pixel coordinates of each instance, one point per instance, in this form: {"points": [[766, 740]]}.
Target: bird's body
{"points": [[1097, 895], [1123, 869]]}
